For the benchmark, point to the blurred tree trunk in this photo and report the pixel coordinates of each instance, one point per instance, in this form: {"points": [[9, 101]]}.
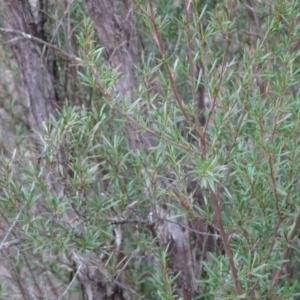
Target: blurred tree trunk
{"points": [[39, 88], [114, 23]]}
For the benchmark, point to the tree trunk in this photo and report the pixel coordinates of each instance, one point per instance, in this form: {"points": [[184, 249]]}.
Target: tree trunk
{"points": [[38, 85], [39, 89]]}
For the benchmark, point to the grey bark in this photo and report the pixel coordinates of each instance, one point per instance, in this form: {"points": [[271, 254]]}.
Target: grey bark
{"points": [[114, 23], [38, 85]]}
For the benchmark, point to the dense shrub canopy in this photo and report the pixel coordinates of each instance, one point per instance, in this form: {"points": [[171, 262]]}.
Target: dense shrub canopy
{"points": [[149, 149]]}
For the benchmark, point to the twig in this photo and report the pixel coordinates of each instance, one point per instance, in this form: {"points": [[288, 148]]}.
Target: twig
{"points": [[9, 244], [73, 279], [120, 221], [169, 73], [223, 236], [200, 94], [285, 253], [11, 227], [37, 40]]}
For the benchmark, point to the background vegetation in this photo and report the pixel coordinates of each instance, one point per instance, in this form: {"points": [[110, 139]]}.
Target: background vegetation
{"points": [[149, 149]]}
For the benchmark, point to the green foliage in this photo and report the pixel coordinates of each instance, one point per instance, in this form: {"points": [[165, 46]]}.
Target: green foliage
{"points": [[251, 159]]}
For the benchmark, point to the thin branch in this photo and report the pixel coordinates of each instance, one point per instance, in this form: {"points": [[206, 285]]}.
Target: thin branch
{"points": [[37, 40], [223, 67], [120, 221], [9, 244], [11, 227], [285, 253], [72, 281], [169, 72], [225, 241]]}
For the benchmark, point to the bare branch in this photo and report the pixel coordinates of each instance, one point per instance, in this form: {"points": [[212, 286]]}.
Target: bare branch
{"points": [[11, 227], [72, 281], [40, 41], [9, 244], [285, 253]]}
